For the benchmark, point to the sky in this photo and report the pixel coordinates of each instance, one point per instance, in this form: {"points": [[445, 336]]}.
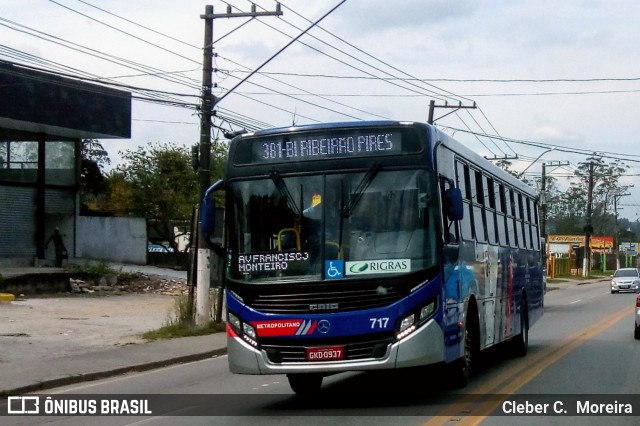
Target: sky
{"points": [[541, 74]]}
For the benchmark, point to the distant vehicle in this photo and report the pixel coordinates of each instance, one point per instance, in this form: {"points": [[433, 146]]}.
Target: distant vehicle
{"points": [[625, 279], [636, 331], [158, 248]]}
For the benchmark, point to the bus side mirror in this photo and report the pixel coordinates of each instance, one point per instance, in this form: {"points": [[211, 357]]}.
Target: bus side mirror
{"points": [[210, 227], [454, 207]]}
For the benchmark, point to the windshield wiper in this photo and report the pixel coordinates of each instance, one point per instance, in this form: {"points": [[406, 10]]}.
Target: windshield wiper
{"points": [[357, 194], [284, 191]]}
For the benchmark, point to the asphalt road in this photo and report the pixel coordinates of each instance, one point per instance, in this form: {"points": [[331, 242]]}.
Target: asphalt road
{"points": [[583, 345]]}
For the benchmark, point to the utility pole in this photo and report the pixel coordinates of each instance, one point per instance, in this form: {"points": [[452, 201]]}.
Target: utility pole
{"points": [[433, 106], [208, 102], [543, 194], [616, 240], [543, 209], [588, 229]]}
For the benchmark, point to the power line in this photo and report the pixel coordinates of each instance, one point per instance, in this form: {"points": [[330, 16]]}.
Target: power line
{"points": [[587, 152], [410, 80], [461, 80], [123, 32], [313, 104], [494, 129], [480, 127], [445, 93], [428, 92], [89, 51], [590, 92], [140, 25], [154, 31], [476, 136]]}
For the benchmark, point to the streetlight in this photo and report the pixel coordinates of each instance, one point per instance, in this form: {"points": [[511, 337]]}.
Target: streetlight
{"points": [[539, 156]]}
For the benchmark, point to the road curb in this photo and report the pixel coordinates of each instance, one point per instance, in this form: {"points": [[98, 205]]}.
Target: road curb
{"points": [[7, 297], [98, 375]]}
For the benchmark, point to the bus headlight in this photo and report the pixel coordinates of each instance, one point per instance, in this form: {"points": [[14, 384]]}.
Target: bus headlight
{"points": [[246, 331], [427, 311], [234, 321], [407, 325], [249, 330]]}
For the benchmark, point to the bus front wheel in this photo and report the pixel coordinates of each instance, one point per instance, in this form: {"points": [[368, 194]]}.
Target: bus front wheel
{"points": [[461, 368], [305, 384]]}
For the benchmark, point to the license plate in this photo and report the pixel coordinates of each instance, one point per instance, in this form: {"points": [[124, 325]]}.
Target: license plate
{"points": [[624, 286], [327, 353]]}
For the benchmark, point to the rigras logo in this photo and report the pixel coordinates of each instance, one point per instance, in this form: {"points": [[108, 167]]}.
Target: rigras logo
{"points": [[358, 267], [383, 266]]}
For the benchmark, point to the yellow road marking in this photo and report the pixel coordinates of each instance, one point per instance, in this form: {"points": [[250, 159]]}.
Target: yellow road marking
{"points": [[514, 378]]}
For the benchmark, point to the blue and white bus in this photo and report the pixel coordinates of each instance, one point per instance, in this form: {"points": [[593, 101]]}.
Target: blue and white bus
{"points": [[373, 245]]}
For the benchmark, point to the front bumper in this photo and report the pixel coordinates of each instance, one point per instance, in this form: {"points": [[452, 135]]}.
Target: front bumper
{"points": [[423, 347], [630, 287]]}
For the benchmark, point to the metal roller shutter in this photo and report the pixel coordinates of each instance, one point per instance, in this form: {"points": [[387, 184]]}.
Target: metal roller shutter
{"points": [[17, 221]]}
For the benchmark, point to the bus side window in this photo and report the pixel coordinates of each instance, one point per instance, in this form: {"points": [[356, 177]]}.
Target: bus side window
{"points": [[449, 228]]}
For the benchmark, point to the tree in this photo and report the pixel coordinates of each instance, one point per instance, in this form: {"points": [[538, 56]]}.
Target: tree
{"points": [[606, 186], [566, 211], [164, 187], [505, 165], [93, 159], [119, 194]]}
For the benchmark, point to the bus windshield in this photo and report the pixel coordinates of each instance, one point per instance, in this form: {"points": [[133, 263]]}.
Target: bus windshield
{"points": [[320, 227]]}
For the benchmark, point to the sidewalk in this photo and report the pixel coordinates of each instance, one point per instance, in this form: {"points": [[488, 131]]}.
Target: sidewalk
{"points": [[56, 340], [20, 378]]}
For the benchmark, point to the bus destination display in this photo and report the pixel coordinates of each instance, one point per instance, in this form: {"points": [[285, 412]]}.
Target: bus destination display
{"points": [[318, 147]]}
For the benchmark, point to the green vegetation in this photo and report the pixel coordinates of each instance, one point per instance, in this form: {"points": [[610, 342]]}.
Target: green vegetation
{"points": [[566, 201], [181, 324], [174, 329], [101, 269], [593, 275]]}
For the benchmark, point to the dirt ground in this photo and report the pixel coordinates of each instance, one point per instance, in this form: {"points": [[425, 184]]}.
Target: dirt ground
{"points": [[39, 327]]}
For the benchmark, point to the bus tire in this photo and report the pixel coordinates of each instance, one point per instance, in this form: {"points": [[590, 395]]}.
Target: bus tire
{"points": [[520, 343], [460, 369], [305, 384]]}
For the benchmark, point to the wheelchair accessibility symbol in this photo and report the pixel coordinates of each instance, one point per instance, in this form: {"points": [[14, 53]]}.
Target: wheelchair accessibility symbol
{"points": [[333, 269]]}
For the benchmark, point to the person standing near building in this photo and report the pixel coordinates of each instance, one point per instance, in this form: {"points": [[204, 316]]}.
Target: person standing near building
{"points": [[58, 244]]}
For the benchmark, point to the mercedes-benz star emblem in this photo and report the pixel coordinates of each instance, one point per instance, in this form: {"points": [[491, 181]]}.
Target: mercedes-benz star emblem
{"points": [[324, 326]]}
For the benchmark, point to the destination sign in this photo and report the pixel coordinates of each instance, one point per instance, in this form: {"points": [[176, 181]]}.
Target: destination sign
{"points": [[308, 147]]}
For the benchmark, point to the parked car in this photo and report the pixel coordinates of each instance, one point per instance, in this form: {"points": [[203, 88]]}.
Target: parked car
{"points": [[625, 279], [636, 331], [158, 248]]}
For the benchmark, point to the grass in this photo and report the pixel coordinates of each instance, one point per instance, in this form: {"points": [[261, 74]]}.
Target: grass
{"points": [[592, 276], [171, 331], [182, 325], [99, 268]]}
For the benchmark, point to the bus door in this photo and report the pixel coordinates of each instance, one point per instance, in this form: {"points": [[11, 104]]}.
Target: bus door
{"points": [[490, 272]]}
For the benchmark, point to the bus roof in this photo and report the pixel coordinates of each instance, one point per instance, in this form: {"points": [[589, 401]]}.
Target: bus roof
{"points": [[439, 137], [329, 125]]}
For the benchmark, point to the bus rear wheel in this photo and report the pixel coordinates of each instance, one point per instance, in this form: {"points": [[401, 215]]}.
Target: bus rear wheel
{"points": [[305, 384], [520, 343]]}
